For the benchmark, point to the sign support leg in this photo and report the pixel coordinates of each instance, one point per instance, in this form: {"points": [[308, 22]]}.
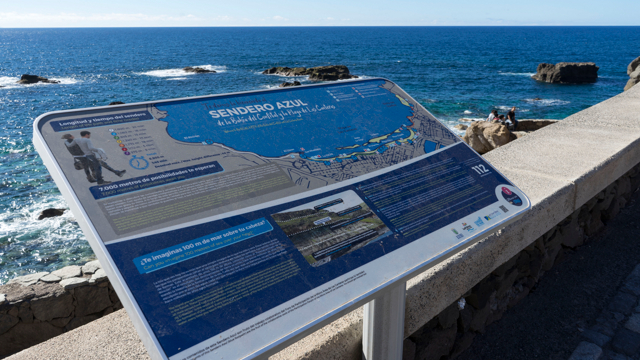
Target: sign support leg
{"points": [[383, 325]]}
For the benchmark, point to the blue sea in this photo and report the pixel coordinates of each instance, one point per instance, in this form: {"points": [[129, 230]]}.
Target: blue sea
{"points": [[455, 72]]}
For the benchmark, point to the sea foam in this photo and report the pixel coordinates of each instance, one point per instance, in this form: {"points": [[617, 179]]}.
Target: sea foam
{"points": [[179, 72]]}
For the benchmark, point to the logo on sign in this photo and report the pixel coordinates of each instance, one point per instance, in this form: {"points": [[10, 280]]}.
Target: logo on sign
{"points": [[493, 215], [458, 236], [506, 191], [467, 227], [511, 197], [479, 222]]}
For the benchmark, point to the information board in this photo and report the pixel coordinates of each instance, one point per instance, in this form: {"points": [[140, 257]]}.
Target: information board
{"points": [[230, 224]]}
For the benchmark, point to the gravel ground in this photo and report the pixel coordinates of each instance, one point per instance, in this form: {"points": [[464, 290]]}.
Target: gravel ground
{"points": [[567, 300]]}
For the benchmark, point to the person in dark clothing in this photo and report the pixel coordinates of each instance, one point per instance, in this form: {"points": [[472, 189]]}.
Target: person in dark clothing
{"points": [[79, 156], [511, 116]]}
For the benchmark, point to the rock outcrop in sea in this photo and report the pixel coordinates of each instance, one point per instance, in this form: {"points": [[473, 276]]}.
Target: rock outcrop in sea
{"points": [[32, 79], [116, 103], [198, 70], [320, 73], [567, 73], [633, 70], [289, 84], [47, 213]]}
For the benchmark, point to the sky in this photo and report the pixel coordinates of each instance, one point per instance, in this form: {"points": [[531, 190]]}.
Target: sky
{"points": [[165, 13]]}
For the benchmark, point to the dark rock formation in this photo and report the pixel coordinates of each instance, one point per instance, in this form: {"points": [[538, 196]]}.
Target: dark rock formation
{"points": [[116, 103], [47, 213], [633, 70], [197, 70], [320, 73], [32, 79], [567, 73], [288, 84]]}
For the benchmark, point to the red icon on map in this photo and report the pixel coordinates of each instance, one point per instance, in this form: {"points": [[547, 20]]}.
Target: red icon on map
{"points": [[124, 149], [506, 191]]}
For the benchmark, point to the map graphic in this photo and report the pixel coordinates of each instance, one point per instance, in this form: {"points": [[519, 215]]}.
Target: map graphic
{"points": [[319, 135]]}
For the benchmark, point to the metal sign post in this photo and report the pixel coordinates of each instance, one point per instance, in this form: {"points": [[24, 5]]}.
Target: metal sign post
{"points": [[383, 325], [233, 225]]}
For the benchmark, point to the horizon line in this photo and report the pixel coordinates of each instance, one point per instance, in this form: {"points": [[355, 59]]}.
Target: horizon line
{"points": [[302, 26]]}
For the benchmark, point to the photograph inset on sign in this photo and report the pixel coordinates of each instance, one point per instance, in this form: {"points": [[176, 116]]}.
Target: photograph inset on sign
{"points": [[328, 228]]}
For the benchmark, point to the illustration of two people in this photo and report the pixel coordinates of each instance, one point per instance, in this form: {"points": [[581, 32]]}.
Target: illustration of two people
{"points": [[89, 158]]}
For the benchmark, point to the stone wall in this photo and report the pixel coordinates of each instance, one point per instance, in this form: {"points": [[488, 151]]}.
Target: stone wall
{"points": [[37, 307], [453, 330]]}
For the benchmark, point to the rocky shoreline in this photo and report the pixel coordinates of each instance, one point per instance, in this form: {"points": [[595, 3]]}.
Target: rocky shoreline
{"points": [[485, 136], [319, 73]]}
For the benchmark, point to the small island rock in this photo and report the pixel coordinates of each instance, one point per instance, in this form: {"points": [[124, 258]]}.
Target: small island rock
{"points": [[461, 127], [567, 73], [116, 103], [288, 84], [320, 73], [197, 70], [47, 213], [32, 79]]}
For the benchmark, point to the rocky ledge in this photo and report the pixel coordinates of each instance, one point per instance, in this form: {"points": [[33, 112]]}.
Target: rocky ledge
{"points": [[320, 73], [32, 79], [198, 70], [633, 70], [37, 307], [567, 73], [485, 136]]}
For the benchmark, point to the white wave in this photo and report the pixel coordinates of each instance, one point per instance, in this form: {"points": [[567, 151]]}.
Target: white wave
{"points": [[178, 78], [471, 119], [8, 82], [547, 102], [468, 112], [172, 73], [516, 74]]}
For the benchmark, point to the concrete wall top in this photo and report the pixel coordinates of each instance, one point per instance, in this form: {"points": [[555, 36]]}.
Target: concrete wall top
{"points": [[559, 167]]}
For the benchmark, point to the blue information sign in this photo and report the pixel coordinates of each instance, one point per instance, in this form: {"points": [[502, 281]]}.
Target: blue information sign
{"points": [[230, 224]]}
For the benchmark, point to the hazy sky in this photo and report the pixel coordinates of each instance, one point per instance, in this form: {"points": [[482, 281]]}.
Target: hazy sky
{"points": [[164, 13]]}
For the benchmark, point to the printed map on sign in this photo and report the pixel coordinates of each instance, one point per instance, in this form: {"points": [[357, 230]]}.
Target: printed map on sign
{"points": [[318, 136]]}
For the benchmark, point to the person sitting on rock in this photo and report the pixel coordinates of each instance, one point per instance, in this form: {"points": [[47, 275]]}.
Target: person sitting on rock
{"points": [[492, 116], [511, 119]]}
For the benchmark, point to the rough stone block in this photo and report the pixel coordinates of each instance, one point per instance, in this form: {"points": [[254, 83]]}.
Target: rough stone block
{"points": [[633, 323], [466, 316], [91, 299], [61, 322], [27, 279], [438, 343], [596, 337], [586, 351], [623, 303], [23, 336], [50, 278], [632, 285], [449, 316], [68, 272], [408, 350], [7, 322], [52, 307], [626, 342], [42, 289], [594, 224], [16, 293], [25, 313], [71, 283], [99, 276], [91, 267], [480, 319]]}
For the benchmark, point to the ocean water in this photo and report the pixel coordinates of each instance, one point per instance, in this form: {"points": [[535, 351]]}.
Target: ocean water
{"points": [[455, 72]]}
